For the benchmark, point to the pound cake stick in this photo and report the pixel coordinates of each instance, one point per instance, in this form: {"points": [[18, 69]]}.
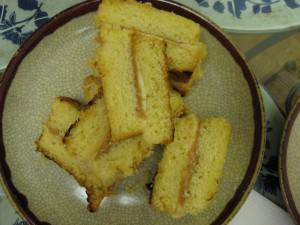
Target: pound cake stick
{"points": [[65, 112], [97, 174], [184, 85], [115, 64], [184, 57], [147, 19], [190, 171], [181, 56], [89, 136], [167, 183], [183, 80], [151, 68]]}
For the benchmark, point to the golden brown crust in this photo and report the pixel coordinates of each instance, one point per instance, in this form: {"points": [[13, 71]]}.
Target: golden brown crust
{"points": [[92, 87], [180, 76], [104, 148], [65, 137], [39, 148], [147, 19], [75, 103], [95, 197]]}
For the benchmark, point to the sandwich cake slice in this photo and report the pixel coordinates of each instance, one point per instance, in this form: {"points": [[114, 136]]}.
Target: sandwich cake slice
{"points": [[64, 112], [183, 80], [151, 69], [184, 57], [191, 169], [144, 18], [105, 165], [89, 136], [115, 65]]}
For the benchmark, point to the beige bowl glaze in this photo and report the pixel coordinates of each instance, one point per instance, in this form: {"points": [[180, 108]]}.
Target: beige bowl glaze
{"points": [[289, 163], [53, 62]]}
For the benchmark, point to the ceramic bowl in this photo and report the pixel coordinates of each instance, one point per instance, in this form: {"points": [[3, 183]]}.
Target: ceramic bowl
{"points": [[289, 168], [53, 62]]}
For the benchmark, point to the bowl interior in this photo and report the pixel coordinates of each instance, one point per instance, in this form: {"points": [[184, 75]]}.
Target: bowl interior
{"points": [[289, 163], [57, 65]]}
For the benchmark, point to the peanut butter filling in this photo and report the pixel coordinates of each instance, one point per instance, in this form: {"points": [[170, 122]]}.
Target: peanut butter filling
{"points": [[188, 172]]}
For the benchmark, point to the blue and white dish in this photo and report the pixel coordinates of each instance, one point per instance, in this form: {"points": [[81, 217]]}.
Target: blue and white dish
{"points": [[19, 18], [267, 182], [249, 16]]}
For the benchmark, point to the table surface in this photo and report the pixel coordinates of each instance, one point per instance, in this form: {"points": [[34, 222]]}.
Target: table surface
{"points": [[275, 60]]}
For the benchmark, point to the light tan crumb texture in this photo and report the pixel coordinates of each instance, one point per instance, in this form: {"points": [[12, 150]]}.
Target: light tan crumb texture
{"points": [[184, 57], [84, 150], [50, 141], [213, 140], [51, 145], [150, 64], [64, 112], [181, 56], [92, 87], [197, 73], [177, 104], [89, 136], [114, 61], [185, 87], [92, 63], [190, 172], [143, 17], [167, 183]]}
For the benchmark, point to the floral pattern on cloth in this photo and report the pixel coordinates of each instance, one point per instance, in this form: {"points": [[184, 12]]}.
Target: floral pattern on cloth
{"points": [[20, 222], [236, 7], [17, 31], [267, 182]]}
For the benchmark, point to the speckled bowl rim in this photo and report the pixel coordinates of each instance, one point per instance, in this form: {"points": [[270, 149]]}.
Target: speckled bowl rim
{"points": [[283, 154], [20, 202]]}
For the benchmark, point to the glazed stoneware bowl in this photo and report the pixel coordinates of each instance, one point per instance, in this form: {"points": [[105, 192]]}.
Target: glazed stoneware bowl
{"points": [[289, 168], [53, 62]]}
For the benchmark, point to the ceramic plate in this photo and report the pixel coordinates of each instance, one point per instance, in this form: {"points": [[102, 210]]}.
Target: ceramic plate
{"points": [[289, 163], [250, 16], [53, 62]]}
